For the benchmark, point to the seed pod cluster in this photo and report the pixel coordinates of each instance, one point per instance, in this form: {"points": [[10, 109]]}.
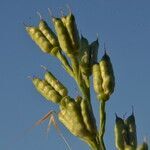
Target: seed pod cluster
{"points": [[44, 37], [125, 133], [75, 115], [67, 33], [103, 78], [46, 90]]}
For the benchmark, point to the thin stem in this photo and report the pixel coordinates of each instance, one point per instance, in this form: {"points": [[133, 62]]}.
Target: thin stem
{"points": [[65, 63], [102, 124]]}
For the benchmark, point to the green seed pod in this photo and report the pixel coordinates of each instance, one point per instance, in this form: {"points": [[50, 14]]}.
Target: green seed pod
{"points": [[143, 146], [94, 51], [72, 30], [49, 34], [63, 36], [88, 117], [56, 84], [131, 127], [107, 75], [97, 79], [39, 38], [119, 131], [84, 57], [46, 90], [73, 119]]}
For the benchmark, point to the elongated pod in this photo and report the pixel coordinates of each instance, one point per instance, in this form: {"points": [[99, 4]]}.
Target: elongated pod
{"points": [[107, 74], [72, 30], [63, 36], [49, 34], [46, 90], [56, 84], [39, 38], [88, 117], [119, 131], [131, 126]]}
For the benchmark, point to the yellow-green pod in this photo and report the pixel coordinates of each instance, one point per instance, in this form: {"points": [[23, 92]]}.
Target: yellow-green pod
{"points": [[39, 38], [72, 30], [73, 119], [107, 74], [119, 131], [56, 84], [49, 34], [131, 126], [88, 117], [46, 90], [63, 36], [143, 146], [97, 79]]}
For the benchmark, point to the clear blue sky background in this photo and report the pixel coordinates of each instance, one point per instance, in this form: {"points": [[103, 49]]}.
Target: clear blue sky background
{"points": [[124, 25]]}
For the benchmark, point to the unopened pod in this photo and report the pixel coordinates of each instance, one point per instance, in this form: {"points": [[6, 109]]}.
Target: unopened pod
{"points": [[49, 34], [119, 133], [39, 38], [46, 90], [131, 127], [55, 83]]}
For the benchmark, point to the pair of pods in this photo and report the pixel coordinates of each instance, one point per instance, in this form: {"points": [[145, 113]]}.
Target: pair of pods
{"points": [[75, 115], [50, 87], [44, 37], [88, 55], [103, 78], [67, 33], [125, 133]]}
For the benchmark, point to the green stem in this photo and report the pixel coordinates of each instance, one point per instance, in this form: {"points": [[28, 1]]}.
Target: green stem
{"points": [[93, 143], [102, 124], [65, 63], [78, 78]]}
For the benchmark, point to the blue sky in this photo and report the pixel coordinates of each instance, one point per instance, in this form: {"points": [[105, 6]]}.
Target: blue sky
{"points": [[124, 25]]}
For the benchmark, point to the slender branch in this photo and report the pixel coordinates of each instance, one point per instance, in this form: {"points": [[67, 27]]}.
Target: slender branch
{"points": [[65, 63], [102, 124]]}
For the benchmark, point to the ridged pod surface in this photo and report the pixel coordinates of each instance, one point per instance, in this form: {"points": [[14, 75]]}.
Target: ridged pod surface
{"points": [[119, 131], [72, 30], [97, 79], [49, 34], [46, 90], [71, 116], [88, 117], [107, 74], [56, 84], [39, 38], [63, 36], [131, 128]]}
